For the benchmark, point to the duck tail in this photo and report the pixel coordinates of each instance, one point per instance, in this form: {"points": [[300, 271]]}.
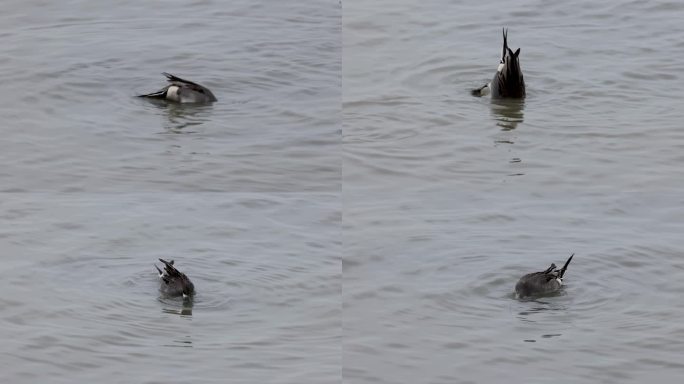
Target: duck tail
{"points": [[505, 44], [562, 271], [156, 95]]}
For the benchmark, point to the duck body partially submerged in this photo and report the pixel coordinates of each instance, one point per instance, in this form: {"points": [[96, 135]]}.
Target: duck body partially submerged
{"points": [[542, 283], [508, 81], [172, 282], [182, 91]]}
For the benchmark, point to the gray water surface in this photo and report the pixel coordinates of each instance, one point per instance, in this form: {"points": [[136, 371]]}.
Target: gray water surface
{"points": [[71, 122], [449, 198], [347, 211], [602, 107], [97, 184], [80, 300]]}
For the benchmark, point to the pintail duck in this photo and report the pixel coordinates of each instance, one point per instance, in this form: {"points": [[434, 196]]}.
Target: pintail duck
{"points": [[173, 282], [508, 81], [182, 91], [542, 283]]}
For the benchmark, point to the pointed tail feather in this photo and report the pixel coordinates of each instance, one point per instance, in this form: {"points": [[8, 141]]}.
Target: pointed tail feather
{"points": [[156, 95], [505, 44], [562, 271]]}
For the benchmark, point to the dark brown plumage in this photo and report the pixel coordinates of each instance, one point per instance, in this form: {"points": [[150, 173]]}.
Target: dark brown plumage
{"points": [[542, 283], [182, 91], [173, 282], [508, 82]]}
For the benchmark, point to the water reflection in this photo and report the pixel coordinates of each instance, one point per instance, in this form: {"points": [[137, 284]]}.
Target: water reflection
{"points": [[508, 113], [185, 308], [550, 312], [538, 307], [181, 343], [182, 117]]}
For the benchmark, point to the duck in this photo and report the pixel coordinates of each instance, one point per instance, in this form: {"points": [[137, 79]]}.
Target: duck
{"points": [[508, 81], [542, 283], [174, 283], [182, 91]]}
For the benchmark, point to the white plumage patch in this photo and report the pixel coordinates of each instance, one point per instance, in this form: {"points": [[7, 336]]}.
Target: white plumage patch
{"points": [[485, 91], [559, 281], [501, 65], [172, 93]]}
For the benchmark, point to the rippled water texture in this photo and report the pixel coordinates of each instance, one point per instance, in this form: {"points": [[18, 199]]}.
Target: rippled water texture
{"points": [[449, 198], [80, 292], [71, 123], [428, 288], [603, 106], [243, 194], [343, 135]]}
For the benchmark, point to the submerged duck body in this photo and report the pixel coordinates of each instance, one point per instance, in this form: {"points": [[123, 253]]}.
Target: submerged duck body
{"points": [[173, 282], [542, 283], [182, 91], [508, 81]]}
